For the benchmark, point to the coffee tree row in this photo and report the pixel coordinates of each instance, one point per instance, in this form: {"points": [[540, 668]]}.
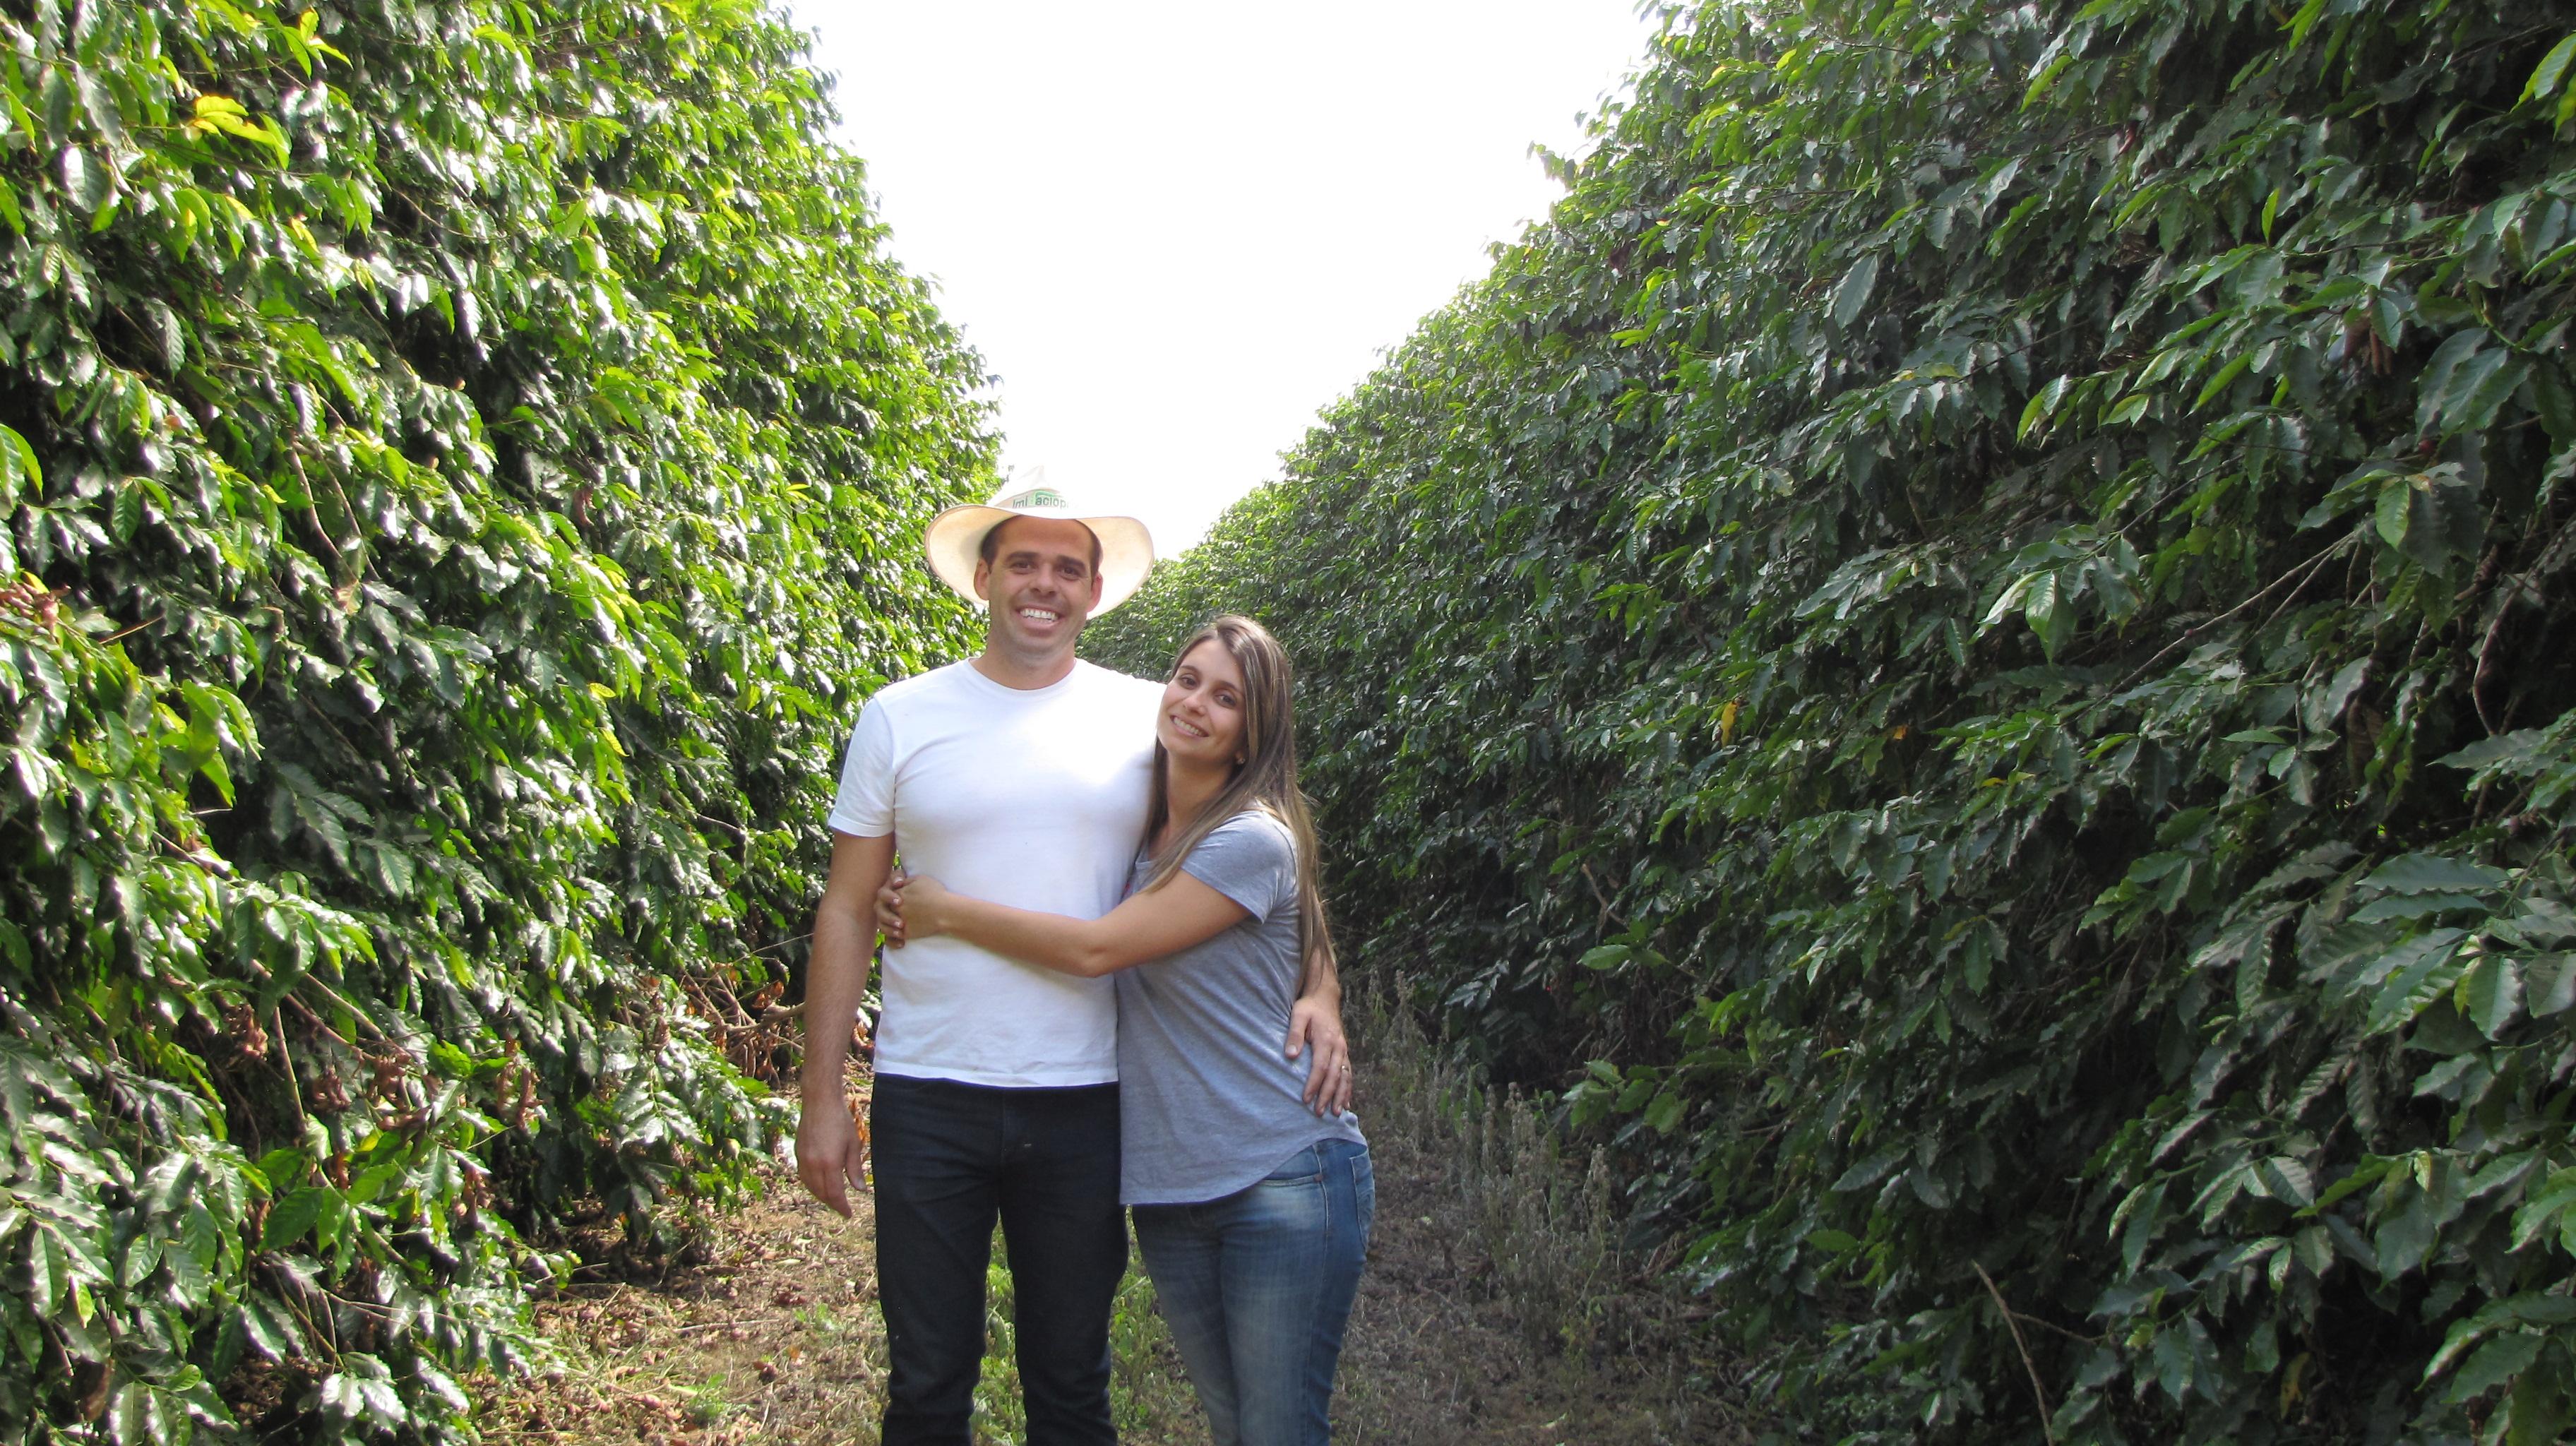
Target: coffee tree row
{"points": [[456, 459], [1962, 648]]}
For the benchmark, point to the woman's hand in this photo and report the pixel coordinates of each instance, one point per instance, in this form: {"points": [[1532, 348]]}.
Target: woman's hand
{"points": [[889, 908], [1315, 1023], [912, 904]]}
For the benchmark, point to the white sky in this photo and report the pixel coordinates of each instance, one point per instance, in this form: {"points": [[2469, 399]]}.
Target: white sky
{"points": [[1177, 230]]}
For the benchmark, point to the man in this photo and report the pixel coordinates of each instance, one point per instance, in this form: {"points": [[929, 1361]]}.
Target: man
{"points": [[1019, 775]]}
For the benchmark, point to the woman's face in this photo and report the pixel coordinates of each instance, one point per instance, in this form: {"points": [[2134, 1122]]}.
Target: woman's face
{"points": [[1202, 718]]}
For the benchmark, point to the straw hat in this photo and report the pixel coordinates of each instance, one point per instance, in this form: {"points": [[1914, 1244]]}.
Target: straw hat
{"points": [[955, 537]]}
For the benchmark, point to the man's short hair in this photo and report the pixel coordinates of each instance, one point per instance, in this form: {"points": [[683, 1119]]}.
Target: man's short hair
{"points": [[991, 547]]}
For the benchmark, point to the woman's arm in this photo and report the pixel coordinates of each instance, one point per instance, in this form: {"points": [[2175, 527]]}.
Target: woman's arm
{"points": [[1160, 921], [1316, 1020]]}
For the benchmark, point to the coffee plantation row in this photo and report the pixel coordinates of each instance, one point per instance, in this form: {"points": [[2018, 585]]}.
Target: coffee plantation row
{"points": [[1966, 651], [461, 463]]}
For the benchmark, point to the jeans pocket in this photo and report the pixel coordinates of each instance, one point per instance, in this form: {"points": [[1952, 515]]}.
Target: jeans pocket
{"points": [[1306, 1167]]}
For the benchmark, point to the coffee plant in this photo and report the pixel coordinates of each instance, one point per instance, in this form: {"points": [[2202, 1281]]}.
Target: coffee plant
{"points": [[460, 461], [1965, 649]]}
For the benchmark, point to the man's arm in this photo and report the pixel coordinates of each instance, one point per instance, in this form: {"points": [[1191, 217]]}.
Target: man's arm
{"points": [[827, 1139], [1316, 1020]]}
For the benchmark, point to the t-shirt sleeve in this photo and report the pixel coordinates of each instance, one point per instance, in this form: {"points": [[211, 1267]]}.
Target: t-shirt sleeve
{"points": [[864, 808], [1250, 860]]}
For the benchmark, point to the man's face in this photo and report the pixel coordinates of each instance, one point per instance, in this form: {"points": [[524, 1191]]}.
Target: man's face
{"points": [[1040, 584]]}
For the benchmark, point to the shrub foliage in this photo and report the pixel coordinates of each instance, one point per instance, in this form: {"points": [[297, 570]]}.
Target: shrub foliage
{"points": [[458, 459], [1960, 647]]}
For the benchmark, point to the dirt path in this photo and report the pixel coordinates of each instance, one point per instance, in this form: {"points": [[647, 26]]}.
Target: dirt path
{"points": [[775, 1338], [1492, 1311], [1439, 1353]]}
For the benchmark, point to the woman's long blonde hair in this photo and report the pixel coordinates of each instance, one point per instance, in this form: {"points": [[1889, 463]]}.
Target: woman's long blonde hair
{"points": [[1266, 779]]}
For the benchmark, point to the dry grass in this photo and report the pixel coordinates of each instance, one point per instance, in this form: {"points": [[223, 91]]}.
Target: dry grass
{"points": [[1495, 1309], [769, 1333], [773, 1337]]}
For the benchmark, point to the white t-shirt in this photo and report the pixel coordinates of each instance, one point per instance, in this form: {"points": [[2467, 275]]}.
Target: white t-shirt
{"points": [[1031, 797]]}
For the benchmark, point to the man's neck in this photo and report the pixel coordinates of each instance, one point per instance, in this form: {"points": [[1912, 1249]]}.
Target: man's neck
{"points": [[1027, 674]]}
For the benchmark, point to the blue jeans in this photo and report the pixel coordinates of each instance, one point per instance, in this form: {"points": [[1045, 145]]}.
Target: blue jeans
{"points": [[949, 1158], [1257, 1286]]}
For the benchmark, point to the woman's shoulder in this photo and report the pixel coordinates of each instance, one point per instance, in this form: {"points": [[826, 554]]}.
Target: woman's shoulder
{"points": [[1250, 858], [1254, 832]]}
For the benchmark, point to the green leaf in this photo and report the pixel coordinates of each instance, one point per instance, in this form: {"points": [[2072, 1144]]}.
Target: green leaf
{"points": [[18, 465], [2173, 1363], [2466, 382], [2539, 1410], [2490, 996], [2421, 873], [2550, 983], [87, 179], [2517, 750], [1871, 1169], [2547, 1209], [1606, 957], [2304, 21], [125, 513], [2286, 1179], [2496, 1363], [99, 103], [362, 1391], [270, 1329], [1852, 292], [2405, 1236], [2324, 707], [2051, 613], [1664, 1115], [2551, 73], [142, 1257], [2370, 1172], [2395, 510], [2226, 378], [2136, 1223], [294, 1216], [2426, 968], [2041, 404]]}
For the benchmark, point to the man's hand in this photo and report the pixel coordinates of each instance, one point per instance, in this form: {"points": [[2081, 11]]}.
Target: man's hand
{"points": [[828, 1157], [1315, 1024], [836, 978]]}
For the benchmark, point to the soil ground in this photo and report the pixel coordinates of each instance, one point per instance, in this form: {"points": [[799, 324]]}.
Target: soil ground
{"points": [[1435, 1355], [772, 1335], [774, 1338]]}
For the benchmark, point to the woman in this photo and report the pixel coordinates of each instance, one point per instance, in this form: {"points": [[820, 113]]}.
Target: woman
{"points": [[1253, 1214]]}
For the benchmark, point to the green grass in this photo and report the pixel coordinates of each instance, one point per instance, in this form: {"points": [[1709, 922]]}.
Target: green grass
{"points": [[1149, 1398]]}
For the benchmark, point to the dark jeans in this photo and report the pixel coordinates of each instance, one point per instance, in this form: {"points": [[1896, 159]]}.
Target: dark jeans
{"points": [[951, 1157], [1257, 1286]]}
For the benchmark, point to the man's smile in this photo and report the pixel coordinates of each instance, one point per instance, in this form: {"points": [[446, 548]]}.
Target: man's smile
{"points": [[1038, 615]]}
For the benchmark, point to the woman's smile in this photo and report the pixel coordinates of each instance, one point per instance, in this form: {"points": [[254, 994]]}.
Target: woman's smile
{"points": [[1203, 718]]}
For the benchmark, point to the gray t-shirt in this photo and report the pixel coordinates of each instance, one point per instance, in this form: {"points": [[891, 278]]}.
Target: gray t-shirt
{"points": [[1209, 1103]]}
